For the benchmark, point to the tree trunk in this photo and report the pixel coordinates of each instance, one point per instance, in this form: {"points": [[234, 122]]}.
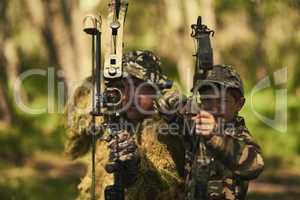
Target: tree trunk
{"points": [[5, 107], [9, 64], [180, 43], [59, 22], [5, 112], [11, 57]]}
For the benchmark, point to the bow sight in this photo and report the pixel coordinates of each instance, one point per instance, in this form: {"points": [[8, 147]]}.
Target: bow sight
{"points": [[107, 103]]}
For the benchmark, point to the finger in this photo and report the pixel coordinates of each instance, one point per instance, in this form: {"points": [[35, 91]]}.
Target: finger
{"points": [[202, 114], [117, 147], [117, 155], [203, 130], [118, 139], [123, 145], [129, 156], [204, 127], [123, 135], [126, 144], [129, 149], [206, 121]]}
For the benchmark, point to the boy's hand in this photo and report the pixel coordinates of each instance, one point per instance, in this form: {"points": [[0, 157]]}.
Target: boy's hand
{"points": [[205, 124]]}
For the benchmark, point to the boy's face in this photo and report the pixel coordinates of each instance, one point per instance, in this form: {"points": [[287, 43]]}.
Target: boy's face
{"points": [[139, 95], [221, 103]]}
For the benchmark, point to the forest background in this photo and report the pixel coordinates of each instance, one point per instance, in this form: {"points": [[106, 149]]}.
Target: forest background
{"points": [[260, 38]]}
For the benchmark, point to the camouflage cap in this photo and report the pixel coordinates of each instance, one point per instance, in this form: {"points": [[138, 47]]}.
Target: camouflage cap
{"points": [[143, 65], [224, 75]]}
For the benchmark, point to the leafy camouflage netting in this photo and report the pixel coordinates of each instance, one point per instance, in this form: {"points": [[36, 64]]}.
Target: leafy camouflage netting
{"points": [[77, 121], [162, 156], [158, 175]]}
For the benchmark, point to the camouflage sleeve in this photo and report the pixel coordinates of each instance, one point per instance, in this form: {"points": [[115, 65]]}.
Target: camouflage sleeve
{"points": [[169, 105], [239, 153], [77, 120]]}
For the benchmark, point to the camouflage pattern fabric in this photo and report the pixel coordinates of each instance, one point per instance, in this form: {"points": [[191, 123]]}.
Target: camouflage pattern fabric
{"points": [[140, 64], [159, 175], [236, 159], [169, 105], [77, 121], [234, 156], [143, 65], [162, 158], [224, 75]]}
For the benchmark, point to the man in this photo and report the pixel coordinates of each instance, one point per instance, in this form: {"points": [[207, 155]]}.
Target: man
{"points": [[152, 164], [234, 157]]}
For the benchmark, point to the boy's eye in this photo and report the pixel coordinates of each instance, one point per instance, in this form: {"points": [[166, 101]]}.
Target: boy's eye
{"points": [[211, 100], [208, 101]]}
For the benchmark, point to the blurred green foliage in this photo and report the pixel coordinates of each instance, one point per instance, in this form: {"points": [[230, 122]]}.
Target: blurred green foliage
{"points": [[265, 38]]}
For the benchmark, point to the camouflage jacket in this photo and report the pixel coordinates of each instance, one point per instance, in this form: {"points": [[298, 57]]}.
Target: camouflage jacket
{"points": [[161, 168], [234, 160], [234, 157]]}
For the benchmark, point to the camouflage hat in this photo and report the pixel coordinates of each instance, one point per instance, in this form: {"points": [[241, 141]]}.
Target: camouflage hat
{"points": [[224, 75], [143, 65]]}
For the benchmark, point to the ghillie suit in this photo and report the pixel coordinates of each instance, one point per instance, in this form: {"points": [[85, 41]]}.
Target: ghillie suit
{"points": [[160, 170]]}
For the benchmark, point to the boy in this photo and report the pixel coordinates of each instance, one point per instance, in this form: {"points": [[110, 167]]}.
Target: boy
{"points": [[233, 157]]}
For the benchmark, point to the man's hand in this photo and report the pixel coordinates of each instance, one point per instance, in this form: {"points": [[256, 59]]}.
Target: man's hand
{"points": [[123, 147], [205, 124]]}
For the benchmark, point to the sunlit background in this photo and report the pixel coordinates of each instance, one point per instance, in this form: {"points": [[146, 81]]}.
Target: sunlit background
{"points": [[260, 38]]}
